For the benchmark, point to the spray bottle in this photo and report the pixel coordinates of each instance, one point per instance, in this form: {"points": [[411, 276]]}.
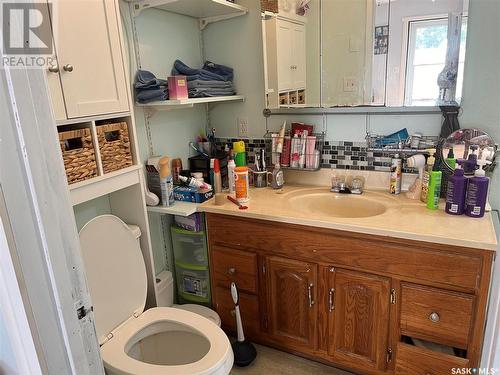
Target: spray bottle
{"points": [[455, 192]]}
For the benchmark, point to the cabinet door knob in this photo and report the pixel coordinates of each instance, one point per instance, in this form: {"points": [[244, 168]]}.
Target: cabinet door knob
{"points": [[434, 317], [231, 271], [233, 312], [54, 68], [68, 68]]}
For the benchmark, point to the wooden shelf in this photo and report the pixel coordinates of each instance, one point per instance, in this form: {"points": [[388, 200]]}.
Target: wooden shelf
{"points": [[206, 11], [101, 185], [179, 208]]}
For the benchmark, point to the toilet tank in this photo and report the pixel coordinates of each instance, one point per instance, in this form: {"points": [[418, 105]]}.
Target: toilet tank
{"points": [[164, 281], [164, 289]]}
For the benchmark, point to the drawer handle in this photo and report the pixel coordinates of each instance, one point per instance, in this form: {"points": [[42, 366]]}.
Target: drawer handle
{"points": [[231, 271], [309, 295], [434, 317], [331, 306]]}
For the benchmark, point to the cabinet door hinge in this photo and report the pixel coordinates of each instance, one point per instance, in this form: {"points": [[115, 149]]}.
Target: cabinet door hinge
{"points": [[393, 296], [263, 269], [389, 355], [265, 323]]}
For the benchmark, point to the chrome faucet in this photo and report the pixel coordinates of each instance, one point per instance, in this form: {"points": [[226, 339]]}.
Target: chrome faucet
{"points": [[342, 186]]}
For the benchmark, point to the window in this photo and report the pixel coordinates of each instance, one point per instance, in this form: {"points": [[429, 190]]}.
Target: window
{"points": [[427, 42]]}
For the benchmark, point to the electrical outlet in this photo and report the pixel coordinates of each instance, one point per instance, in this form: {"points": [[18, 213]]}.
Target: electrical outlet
{"points": [[350, 84], [242, 127]]}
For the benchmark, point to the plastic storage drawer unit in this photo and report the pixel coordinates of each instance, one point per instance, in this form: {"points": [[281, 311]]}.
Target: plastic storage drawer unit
{"points": [[189, 247], [193, 283]]}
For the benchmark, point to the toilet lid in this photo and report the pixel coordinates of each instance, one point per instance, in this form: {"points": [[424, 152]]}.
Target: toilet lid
{"points": [[115, 271]]}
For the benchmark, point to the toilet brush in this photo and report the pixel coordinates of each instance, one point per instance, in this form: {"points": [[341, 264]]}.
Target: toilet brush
{"points": [[244, 351]]}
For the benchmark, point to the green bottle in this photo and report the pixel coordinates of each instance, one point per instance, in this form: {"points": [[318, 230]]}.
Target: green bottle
{"points": [[450, 159], [434, 191]]}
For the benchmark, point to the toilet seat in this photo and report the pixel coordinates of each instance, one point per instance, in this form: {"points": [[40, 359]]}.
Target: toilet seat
{"points": [[201, 310], [158, 341], [219, 358]]}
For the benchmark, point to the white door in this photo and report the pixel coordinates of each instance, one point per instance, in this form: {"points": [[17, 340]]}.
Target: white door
{"points": [[90, 57], [285, 59], [299, 56]]}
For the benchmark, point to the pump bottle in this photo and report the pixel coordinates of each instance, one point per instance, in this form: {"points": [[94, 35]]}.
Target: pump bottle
{"points": [[477, 191], [427, 174], [456, 190]]}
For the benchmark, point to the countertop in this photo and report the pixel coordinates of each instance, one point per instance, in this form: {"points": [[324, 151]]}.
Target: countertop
{"points": [[402, 218]]}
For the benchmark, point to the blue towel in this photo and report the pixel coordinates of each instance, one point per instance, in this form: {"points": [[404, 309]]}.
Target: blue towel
{"points": [[202, 74], [151, 95], [145, 80]]}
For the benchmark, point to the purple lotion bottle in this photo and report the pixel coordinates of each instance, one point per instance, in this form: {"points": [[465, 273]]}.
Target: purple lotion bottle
{"points": [[477, 192], [455, 194]]}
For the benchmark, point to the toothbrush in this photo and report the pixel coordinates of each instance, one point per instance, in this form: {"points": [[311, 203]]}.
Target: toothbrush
{"points": [[240, 206]]}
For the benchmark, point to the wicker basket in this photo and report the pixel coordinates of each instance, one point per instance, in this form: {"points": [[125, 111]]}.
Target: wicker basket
{"points": [[78, 155], [269, 6], [114, 145]]}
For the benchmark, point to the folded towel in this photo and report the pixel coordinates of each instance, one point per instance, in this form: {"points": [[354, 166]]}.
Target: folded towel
{"points": [[222, 70], [145, 80], [203, 74], [210, 84], [151, 95]]}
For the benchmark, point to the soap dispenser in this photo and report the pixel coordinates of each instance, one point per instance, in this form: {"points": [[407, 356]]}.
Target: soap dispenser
{"points": [[456, 190], [477, 191]]}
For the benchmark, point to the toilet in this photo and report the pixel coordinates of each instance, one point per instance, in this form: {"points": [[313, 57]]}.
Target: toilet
{"points": [[158, 341]]}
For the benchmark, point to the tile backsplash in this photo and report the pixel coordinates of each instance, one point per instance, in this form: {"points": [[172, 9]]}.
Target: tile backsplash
{"points": [[336, 154]]}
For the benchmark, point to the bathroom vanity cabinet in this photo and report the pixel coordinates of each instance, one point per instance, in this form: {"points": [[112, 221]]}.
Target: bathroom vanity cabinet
{"points": [[351, 300]]}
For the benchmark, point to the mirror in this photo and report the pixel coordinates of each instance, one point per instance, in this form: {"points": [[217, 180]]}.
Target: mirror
{"points": [[335, 53], [465, 142]]}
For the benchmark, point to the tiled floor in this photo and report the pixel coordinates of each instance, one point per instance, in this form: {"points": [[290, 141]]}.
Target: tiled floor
{"points": [[274, 362]]}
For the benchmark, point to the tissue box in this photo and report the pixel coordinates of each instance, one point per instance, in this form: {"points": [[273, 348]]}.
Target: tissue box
{"points": [[191, 194], [177, 87], [192, 222]]}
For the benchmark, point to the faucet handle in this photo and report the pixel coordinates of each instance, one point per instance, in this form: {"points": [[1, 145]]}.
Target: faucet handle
{"points": [[357, 184]]}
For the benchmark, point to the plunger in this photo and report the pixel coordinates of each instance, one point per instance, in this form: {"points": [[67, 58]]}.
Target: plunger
{"points": [[244, 351]]}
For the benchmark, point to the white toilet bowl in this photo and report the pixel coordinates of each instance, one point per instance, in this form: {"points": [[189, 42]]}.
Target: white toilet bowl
{"points": [[161, 340]]}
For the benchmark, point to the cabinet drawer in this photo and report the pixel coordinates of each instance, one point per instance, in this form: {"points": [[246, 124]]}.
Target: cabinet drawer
{"points": [[249, 309], [411, 360], [416, 260], [233, 265], [436, 315]]}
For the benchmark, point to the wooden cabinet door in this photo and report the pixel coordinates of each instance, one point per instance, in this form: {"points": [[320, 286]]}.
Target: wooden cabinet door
{"points": [[359, 319], [88, 45], [291, 296]]}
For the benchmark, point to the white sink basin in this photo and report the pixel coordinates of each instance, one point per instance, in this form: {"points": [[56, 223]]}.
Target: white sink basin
{"points": [[336, 205]]}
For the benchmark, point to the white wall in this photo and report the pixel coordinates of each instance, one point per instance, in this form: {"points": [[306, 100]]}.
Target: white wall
{"points": [[481, 98]]}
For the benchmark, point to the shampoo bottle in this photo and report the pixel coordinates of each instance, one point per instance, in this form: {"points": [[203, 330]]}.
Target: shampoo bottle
{"points": [[166, 182], [434, 190], [477, 192], [450, 159], [455, 193], [427, 175]]}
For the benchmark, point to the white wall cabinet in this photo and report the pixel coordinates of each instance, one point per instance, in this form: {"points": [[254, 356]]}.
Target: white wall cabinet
{"points": [[89, 77], [286, 56]]}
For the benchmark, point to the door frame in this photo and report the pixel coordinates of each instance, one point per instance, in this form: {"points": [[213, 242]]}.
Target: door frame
{"points": [[46, 248]]}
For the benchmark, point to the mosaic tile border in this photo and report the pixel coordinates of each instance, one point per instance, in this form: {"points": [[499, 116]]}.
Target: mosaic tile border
{"points": [[336, 154]]}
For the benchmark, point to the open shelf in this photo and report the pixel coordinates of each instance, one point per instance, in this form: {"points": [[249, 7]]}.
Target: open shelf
{"points": [[101, 185], [179, 208], [206, 11], [190, 102]]}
